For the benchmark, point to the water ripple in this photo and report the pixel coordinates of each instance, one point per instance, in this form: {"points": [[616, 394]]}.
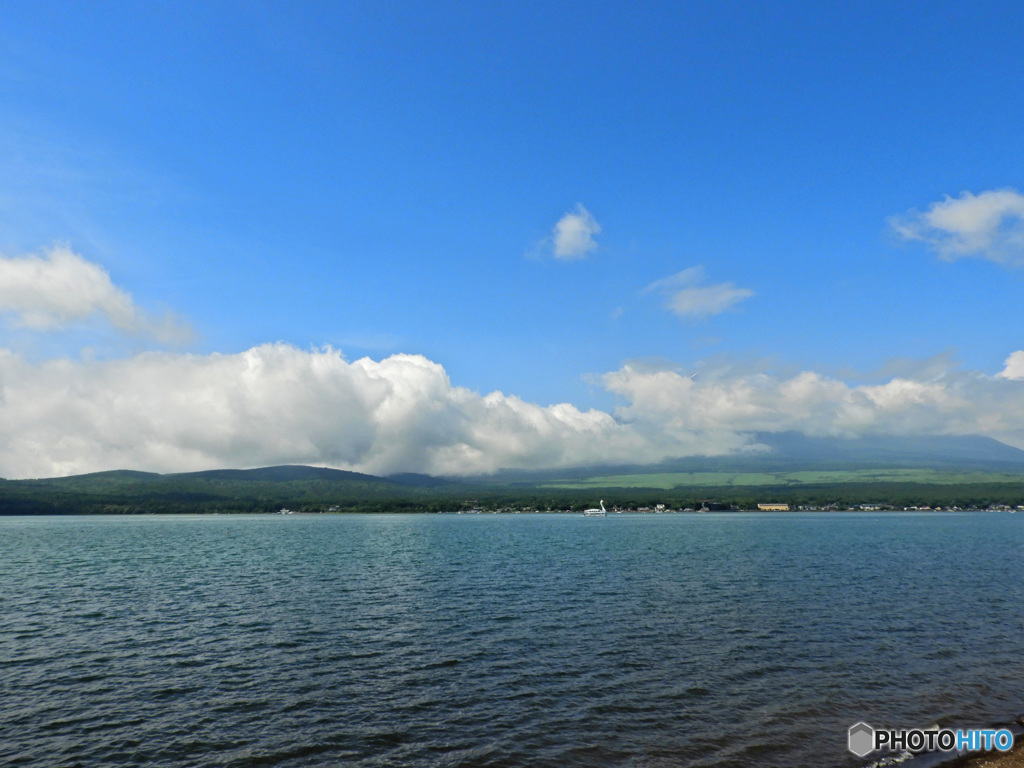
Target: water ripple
{"points": [[710, 640]]}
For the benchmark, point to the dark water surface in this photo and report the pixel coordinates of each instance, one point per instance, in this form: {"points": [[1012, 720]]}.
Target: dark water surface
{"points": [[513, 640]]}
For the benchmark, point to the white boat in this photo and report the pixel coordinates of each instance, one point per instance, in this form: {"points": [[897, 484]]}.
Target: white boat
{"points": [[595, 512]]}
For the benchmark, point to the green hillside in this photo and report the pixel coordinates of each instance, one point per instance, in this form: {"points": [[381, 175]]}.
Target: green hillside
{"points": [[682, 480], [229, 490], [789, 468]]}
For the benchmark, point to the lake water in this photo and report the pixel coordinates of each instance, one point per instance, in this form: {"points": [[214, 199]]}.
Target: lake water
{"points": [[500, 640]]}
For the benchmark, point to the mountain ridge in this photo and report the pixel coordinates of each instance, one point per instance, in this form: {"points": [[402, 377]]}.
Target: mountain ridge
{"points": [[976, 465], [783, 451], [792, 451]]}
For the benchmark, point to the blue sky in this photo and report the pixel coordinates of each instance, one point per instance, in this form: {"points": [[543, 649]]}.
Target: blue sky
{"points": [[754, 192]]}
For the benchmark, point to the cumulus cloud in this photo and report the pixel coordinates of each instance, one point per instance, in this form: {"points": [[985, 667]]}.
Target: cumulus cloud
{"points": [[723, 409], [989, 225], [276, 404], [59, 288], [686, 296], [1014, 367], [573, 235]]}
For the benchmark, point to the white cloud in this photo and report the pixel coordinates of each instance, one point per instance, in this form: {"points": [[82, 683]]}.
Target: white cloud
{"points": [[1014, 367], [989, 225], [275, 404], [60, 288], [573, 235], [686, 296], [723, 408]]}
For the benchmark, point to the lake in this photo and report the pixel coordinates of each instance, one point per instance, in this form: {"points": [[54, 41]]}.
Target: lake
{"points": [[717, 640]]}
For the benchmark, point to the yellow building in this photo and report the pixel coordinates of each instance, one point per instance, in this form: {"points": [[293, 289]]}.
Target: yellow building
{"points": [[773, 507]]}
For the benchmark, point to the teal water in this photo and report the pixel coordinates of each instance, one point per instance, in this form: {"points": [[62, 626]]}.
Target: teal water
{"points": [[513, 640]]}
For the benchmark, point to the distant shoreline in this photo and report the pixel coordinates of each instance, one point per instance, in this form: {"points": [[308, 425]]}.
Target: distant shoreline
{"points": [[319, 489], [503, 512]]}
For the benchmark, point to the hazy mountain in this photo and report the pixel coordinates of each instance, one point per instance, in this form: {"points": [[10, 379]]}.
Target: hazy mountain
{"points": [[792, 451], [417, 480], [283, 474], [320, 489]]}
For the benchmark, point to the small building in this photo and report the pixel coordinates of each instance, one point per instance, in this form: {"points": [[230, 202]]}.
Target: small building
{"points": [[773, 507]]}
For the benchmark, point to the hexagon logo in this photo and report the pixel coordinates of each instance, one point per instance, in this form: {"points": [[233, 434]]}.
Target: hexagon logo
{"points": [[861, 739]]}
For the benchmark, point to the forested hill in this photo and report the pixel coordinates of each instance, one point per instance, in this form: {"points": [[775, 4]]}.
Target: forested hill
{"points": [[222, 490], [899, 471]]}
